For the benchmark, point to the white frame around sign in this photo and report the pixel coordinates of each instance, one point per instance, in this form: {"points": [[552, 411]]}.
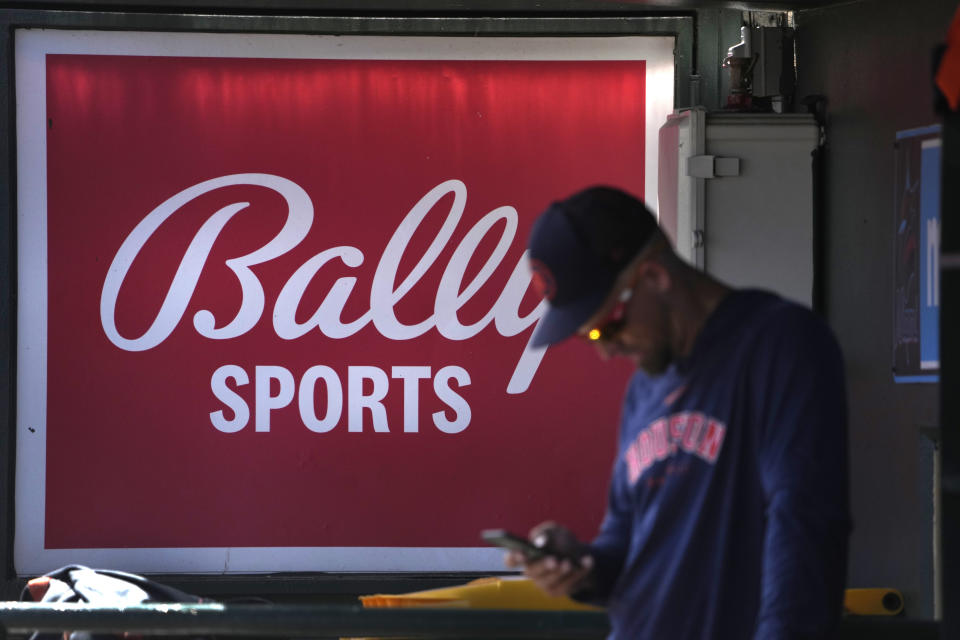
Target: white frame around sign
{"points": [[31, 48]]}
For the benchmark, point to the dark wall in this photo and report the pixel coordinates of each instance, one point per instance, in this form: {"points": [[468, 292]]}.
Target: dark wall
{"points": [[872, 61]]}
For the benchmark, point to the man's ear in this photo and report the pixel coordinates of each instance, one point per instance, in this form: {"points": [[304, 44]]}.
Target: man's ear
{"points": [[654, 277]]}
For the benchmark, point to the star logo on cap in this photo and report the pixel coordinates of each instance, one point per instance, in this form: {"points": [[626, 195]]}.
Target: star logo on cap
{"points": [[543, 280]]}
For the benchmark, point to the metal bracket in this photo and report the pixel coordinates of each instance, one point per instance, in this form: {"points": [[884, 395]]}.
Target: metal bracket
{"points": [[713, 167]]}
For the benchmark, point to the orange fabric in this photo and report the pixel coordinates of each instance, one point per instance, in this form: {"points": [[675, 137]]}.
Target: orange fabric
{"points": [[38, 587], [948, 75]]}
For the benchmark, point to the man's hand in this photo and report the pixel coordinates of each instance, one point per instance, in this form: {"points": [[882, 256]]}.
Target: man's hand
{"points": [[555, 576]]}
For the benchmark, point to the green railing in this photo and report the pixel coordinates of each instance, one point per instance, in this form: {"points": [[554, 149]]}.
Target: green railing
{"points": [[300, 621], [325, 621]]}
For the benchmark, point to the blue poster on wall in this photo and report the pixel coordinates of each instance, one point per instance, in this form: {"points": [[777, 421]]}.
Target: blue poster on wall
{"points": [[916, 319]]}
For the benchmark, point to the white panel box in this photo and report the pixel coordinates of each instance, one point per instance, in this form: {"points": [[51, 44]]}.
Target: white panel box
{"points": [[743, 197]]}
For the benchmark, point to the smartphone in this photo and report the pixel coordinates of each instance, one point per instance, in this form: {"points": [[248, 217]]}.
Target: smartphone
{"points": [[511, 541]]}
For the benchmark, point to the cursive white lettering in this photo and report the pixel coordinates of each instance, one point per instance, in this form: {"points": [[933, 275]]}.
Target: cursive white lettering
{"points": [[385, 292]]}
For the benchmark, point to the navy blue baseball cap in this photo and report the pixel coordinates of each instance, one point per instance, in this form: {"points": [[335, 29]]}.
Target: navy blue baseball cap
{"points": [[577, 248]]}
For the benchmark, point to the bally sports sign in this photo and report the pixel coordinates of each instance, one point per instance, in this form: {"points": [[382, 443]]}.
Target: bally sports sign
{"points": [[274, 305], [386, 293]]}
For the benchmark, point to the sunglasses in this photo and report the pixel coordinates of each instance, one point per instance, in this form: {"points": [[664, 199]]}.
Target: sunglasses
{"points": [[613, 323]]}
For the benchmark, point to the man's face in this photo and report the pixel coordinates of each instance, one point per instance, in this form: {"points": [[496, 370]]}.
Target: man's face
{"points": [[644, 335]]}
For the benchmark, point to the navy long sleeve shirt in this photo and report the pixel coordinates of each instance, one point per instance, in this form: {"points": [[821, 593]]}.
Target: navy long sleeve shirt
{"points": [[728, 512]]}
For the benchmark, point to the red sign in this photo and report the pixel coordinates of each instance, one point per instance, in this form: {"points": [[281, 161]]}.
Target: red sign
{"points": [[288, 304]]}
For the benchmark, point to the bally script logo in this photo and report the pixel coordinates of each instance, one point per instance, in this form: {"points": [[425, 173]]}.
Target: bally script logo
{"points": [[385, 292]]}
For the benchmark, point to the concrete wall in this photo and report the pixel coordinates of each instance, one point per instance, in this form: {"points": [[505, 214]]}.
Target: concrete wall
{"points": [[872, 61]]}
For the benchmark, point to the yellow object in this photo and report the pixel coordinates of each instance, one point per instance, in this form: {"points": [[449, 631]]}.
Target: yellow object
{"points": [[485, 593], [873, 602], [521, 593]]}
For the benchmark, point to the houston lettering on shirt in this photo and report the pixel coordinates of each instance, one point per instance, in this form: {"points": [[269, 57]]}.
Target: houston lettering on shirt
{"points": [[688, 431]]}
